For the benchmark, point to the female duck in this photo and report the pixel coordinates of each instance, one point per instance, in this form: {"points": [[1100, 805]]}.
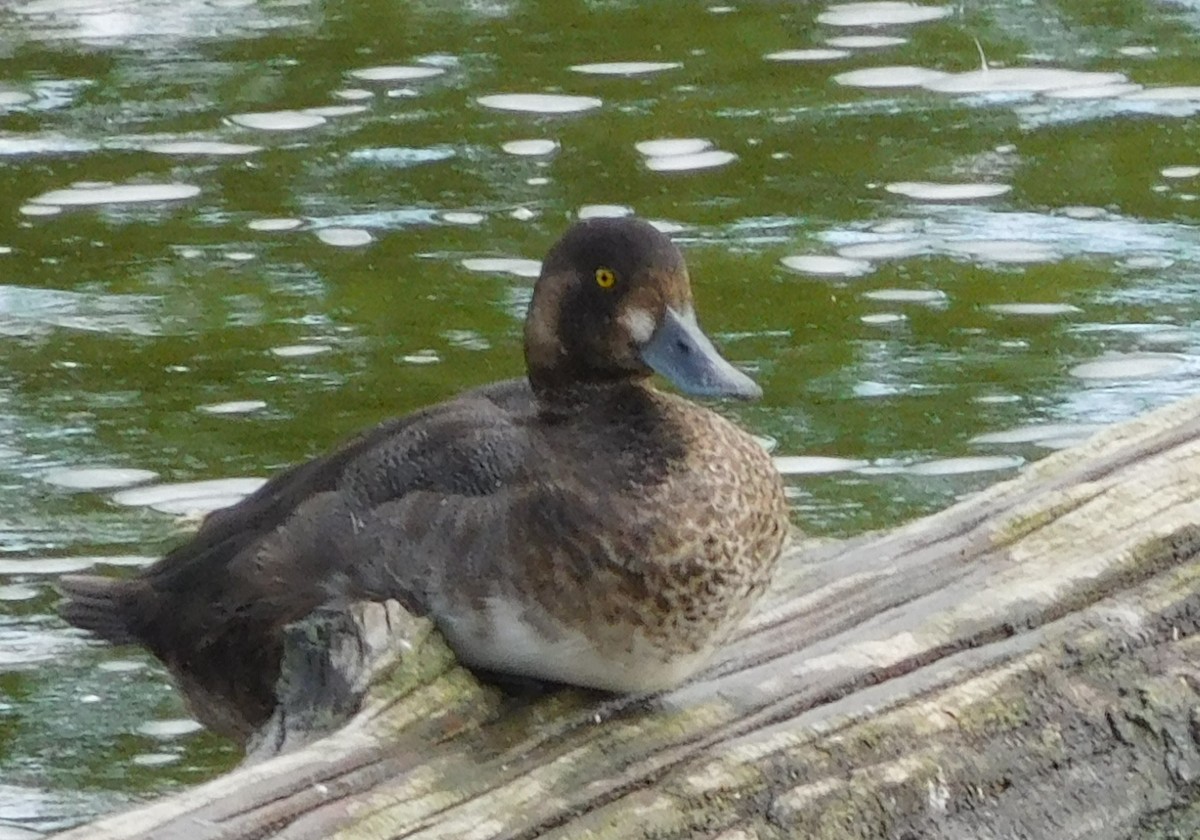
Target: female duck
{"points": [[578, 526]]}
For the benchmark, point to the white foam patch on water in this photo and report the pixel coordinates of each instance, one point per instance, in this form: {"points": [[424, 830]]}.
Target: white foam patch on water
{"points": [[666, 226], [396, 73], [299, 351], [504, 265], [332, 111], [121, 666], [1010, 251], [540, 103], [1176, 172], [1037, 310], [233, 407], [886, 249], [1094, 91], [278, 225], [667, 146], [827, 266], [685, 163], [881, 14], [190, 497], [625, 68], [815, 464], [1129, 366], [930, 191], [966, 465], [1022, 80], [865, 42], [900, 76], [907, 295], [169, 729], [203, 147], [278, 120], [97, 478], [155, 759], [84, 196], [604, 211], [462, 217], [1039, 433], [353, 94], [811, 54], [340, 237], [39, 210], [523, 214], [883, 319], [530, 148]]}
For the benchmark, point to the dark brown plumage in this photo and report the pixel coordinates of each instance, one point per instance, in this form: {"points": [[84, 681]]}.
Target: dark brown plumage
{"points": [[578, 526]]}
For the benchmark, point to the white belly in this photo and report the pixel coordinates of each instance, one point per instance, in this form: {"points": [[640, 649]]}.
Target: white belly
{"points": [[502, 640]]}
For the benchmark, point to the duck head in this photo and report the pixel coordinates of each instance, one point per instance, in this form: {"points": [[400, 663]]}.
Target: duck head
{"points": [[613, 303]]}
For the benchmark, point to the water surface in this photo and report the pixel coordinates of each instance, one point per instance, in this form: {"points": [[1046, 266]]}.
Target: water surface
{"points": [[233, 233]]}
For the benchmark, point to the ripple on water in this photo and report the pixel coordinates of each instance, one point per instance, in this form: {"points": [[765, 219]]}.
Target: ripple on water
{"points": [[540, 103], [503, 265], [203, 147], [83, 196], [688, 163], [13, 98], [299, 351], [1039, 433], [827, 266], [889, 249], [1009, 251], [277, 225], [340, 237], [881, 14], [625, 68], [530, 148], [1021, 80], [883, 319], [1093, 91], [233, 407], [810, 54], [97, 478], [191, 497], [604, 211], [18, 592], [1033, 309], [1180, 171], [1175, 93], [900, 76], [815, 464], [930, 296], [1128, 366], [462, 217], [865, 42], [396, 73], [154, 759], [930, 191], [966, 465], [666, 146], [278, 120], [333, 111], [168, 730]]}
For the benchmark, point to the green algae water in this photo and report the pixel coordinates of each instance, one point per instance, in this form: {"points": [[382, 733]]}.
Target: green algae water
{"points": [[946, 240]]}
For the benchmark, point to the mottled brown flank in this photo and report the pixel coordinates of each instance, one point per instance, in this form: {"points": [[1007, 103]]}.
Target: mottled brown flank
{"points": [[697, 542], [581, 514]]}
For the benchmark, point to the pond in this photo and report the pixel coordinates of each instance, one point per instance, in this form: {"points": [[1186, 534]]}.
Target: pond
{"points": [[946, 240]]}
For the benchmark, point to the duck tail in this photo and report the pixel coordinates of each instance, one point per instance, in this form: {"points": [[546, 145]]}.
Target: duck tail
{"points": [[99, 605]]}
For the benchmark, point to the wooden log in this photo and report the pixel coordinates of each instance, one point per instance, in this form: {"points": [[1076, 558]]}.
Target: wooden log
{"points": [[1023, 664]]}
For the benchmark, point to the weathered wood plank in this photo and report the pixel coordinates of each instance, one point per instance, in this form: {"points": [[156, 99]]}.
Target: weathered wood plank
{"points": [[1024, 663]]}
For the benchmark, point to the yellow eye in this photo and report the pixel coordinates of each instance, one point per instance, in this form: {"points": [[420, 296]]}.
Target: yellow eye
{"points": [[606, 278]]}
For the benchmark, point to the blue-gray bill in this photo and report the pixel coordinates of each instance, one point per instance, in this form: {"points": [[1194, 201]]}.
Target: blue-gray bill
{"points": [[680, 351]]}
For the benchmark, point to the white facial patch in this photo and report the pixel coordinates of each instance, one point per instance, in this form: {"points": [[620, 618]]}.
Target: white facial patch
{"points": [[639, 323]]}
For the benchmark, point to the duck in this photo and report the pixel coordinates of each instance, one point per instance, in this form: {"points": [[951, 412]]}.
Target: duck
{"points": [[579, 525]]}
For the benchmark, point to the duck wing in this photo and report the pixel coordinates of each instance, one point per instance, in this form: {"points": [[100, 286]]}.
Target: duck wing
{"points": [[213, 608]]}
